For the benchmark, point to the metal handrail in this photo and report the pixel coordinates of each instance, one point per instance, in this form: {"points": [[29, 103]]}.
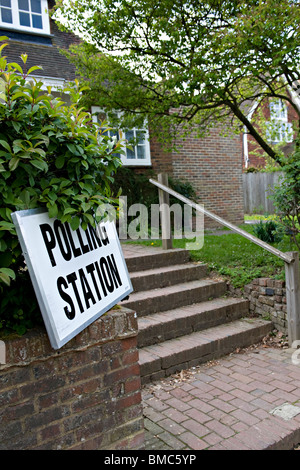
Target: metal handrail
{"points": [[284, 256], [291, 260]]}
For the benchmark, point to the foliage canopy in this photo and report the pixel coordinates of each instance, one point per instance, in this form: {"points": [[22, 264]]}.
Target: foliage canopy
{"points": [[187, 62]]}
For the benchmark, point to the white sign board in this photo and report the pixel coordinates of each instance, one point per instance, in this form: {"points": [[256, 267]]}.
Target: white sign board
{"points": [[77, 275]]}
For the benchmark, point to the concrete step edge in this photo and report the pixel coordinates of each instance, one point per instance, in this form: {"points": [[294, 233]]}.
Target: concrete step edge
{"points": [[167, 275], [166, 358], [162, 326], [142, 262], [170, 297]]}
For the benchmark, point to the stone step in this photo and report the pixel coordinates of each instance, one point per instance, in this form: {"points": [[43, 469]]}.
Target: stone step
{"points": [[161, 360], [167, 276], [143, 260], [167, 298], [163, 326]]}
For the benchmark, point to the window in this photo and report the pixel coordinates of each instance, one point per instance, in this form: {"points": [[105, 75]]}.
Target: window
{"points": [[278, 128], [25, 15], [139, 153]]}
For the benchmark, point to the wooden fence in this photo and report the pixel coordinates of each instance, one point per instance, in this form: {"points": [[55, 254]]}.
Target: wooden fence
{"points": [[257, 190]]}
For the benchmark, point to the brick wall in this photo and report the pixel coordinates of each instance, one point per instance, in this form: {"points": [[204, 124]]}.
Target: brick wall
{"points": [[214, 167], [268, 298], [161, 160], [87, 395]]}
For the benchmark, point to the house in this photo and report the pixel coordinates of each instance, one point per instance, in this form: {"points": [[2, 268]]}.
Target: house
{"points": [[277, 117], [213, 165]]}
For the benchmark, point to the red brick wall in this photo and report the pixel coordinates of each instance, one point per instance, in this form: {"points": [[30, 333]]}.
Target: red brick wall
{"points": [[85, 396], [214, 167], [161, 160]]}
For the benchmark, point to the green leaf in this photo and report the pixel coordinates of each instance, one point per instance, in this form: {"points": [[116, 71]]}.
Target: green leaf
{"points": [[24, 58], [72, 148], [17, 66], [5, 145], [75, 223], [13, 163], [60, 161], [4, 278], [40, 165], [6, 225], [20, 94], [90, 218], [70, 210], [9, 272], [16, 125], [35, 67], [52, 210]]}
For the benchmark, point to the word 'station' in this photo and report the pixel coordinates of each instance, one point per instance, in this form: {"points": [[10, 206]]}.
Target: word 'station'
{"points": [[102, 274], [77, 275]]}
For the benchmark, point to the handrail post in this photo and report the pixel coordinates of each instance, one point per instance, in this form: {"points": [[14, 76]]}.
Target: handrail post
{"points": [[292, 281], [164, 205]]}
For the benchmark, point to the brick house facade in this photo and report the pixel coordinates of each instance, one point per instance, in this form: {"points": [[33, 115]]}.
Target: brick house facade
{"points": [[283, 115], [213, 165]]}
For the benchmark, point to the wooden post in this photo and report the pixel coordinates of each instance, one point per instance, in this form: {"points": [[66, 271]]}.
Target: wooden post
{"points": [[164, 204], [292, 281]]}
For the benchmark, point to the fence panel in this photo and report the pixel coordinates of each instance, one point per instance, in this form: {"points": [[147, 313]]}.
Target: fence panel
{"points": [[256, 191]]}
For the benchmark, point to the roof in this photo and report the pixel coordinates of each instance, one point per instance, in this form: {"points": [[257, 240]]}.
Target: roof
{"points": [[42, 51]]}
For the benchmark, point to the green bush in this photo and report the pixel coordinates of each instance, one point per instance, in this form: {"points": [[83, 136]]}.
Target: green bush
{"points": [[286, 196], [138, 189], [135, 186], [52, 156], [184, 188], [268, 231]]}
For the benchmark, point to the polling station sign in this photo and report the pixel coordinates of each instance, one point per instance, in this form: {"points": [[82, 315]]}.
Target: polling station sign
{"points": [[77, 275]]}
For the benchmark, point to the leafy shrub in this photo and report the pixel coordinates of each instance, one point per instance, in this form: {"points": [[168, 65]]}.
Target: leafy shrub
{"points": [[52, 156], [251, 169], [135, 186], [286, 196], [268, 232], [138, 189], [182, 187]]}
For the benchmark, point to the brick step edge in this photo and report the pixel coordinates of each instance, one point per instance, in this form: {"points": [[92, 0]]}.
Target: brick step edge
{"points": [[163, 326], [167, 298], [178, 354], [167, 276], [157, 260]]}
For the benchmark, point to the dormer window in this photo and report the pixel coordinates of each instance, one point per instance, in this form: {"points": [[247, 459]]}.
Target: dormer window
{"points": [[25, 15], [278, 128]]}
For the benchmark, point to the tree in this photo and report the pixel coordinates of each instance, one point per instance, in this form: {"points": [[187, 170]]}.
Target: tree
{"points": [[187, 62], [286, 198], [51, 156]]}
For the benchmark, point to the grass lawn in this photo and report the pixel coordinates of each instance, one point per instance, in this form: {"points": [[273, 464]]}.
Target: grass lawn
{"points": [[236, 258]]}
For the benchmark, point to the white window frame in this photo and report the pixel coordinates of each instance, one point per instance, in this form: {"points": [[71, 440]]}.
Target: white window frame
{"points": [[279, 129], [16, 26], [122, 135]]}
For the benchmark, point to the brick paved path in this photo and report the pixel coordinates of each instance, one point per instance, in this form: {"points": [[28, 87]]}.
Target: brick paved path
{"points": [[226, 404]]}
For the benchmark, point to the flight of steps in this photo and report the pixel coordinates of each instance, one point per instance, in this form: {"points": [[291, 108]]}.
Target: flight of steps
{"points": [[184, 317]]}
